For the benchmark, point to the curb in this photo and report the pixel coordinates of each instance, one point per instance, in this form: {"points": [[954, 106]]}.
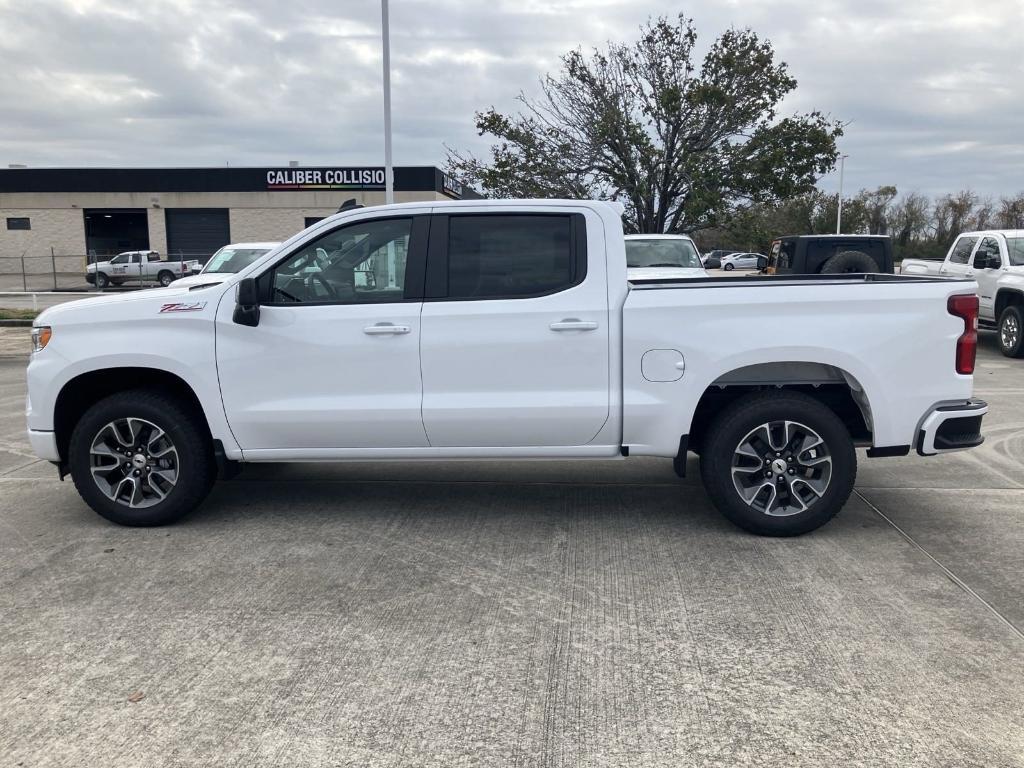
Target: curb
{"points": [[15, 323]]}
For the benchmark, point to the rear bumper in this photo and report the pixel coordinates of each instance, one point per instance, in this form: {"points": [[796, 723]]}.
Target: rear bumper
{"points": [[954, 427], [44, 444]]}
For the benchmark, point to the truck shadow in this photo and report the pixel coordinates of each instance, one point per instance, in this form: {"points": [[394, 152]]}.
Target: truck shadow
{"points": [[462, 492]]}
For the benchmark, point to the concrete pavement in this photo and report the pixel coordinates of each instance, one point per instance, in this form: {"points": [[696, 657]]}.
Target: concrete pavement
{"points": [[563, 613]]}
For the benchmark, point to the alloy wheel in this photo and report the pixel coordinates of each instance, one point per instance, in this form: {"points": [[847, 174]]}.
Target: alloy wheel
{"points": [[134, 462], [1009, 332], [781, 468]]}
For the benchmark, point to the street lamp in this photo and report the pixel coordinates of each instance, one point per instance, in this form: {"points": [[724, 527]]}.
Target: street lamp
{"points": [[389, 171], [839, 212]]}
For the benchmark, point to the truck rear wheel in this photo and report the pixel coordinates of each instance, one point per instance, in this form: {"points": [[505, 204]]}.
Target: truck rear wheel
{"points": [[778, 463], [1011, 331], [849, 262], [141, 458], [166, 277]]}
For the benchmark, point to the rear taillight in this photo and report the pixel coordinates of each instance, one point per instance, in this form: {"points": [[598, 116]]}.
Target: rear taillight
{"points": [[965, 307]]}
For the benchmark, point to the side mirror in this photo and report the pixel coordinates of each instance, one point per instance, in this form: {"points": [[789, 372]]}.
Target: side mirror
{"points": [[247, 303]]}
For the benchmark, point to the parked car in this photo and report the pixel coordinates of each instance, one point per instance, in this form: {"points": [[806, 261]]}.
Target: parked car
{"points": [[661, 257], [830, 254], [994, 259], [137, 267], [740, 261], [506, 330], [717, 254], [225, 262]]}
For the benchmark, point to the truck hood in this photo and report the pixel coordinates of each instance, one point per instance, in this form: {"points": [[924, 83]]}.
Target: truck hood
{"points": [[661, 273], [104, 306], [211, 278]]}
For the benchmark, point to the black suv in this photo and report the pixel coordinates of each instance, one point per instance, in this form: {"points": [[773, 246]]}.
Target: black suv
{"points": [[829, 254]]}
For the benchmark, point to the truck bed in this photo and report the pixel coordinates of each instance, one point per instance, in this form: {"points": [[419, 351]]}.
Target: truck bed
{"points": [[889, 337], [779, 280]]}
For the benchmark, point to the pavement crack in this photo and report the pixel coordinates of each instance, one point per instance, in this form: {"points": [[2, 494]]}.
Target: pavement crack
{"points": [[946, 571]]}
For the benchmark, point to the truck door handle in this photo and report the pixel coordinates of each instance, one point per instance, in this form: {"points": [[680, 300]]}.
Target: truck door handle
{"points": [[572, 324], [381, 329]]}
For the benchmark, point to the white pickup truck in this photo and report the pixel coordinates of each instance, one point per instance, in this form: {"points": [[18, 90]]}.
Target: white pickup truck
{"points": [[138, 267], [994, 259], [501, 330]]}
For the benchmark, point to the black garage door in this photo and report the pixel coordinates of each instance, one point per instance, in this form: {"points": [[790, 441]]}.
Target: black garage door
{"points": [[195, 233]]}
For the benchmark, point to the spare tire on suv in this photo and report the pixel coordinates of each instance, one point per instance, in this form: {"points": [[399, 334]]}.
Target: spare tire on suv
{"points": [[849, 261]]}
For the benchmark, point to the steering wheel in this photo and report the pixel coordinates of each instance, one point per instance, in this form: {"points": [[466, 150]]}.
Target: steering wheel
{"points": [[287, 295], [318, 277]]}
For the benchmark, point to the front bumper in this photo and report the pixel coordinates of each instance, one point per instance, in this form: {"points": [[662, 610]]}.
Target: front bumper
{"points": [[44, 444], [951, 427]]}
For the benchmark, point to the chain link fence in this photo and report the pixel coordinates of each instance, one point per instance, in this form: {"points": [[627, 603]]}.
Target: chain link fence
{"points": [[39, 273]]}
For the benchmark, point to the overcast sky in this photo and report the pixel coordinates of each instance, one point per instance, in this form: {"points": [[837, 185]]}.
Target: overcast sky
{"points": [[933, 89]]}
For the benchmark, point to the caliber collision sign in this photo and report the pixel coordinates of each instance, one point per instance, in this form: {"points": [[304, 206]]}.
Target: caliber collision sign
{"points": [[325, 178]]}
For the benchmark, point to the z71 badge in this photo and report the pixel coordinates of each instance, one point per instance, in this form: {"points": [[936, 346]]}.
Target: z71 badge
{"points": [[180, 306]]}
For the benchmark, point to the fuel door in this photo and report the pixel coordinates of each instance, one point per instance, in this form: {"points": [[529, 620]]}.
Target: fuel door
{"points": [[662, 365]]}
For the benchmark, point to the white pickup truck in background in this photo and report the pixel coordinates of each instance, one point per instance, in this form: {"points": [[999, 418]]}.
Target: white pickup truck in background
{"points": [[501, 330], [138, 267], [994, 259]]}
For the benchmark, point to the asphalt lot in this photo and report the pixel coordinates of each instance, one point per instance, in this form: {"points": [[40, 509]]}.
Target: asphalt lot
{"points": [[558, 613]]}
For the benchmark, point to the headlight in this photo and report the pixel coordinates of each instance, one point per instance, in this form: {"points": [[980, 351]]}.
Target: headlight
{"points": [[41, 336]]}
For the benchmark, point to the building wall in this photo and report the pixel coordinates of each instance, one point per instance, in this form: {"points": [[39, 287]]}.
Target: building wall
{"points": [[61, 229], [157, 230], [58, 221], [256, 224]]}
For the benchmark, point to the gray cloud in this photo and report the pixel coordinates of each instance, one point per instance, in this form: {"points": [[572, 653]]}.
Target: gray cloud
{"points": [[931, 89]]}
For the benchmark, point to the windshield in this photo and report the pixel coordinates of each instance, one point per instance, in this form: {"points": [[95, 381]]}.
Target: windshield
{"points": [[1015, 247], [232, 260], [661, 253]]}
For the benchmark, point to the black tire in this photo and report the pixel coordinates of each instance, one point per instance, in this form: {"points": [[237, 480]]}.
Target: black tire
{"points": [[165, 277], [850, 262], [728, 266], [102, 281], [195, 465], [742, 418], [1011, 331]]}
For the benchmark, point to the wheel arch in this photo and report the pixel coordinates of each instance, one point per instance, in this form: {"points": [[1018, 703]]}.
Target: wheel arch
{"points": [[834, 387], [1006, 297], [86, 389]]}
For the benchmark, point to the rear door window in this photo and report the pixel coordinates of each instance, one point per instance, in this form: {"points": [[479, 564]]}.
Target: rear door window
{"points": [[513, 255]]}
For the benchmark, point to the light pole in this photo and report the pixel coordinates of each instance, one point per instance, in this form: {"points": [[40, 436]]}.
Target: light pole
{"points": [[389, 171], [839, 212]]}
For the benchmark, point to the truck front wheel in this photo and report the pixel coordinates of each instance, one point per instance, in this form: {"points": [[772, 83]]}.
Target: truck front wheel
{"points": [[1011, 331], [778, 463], [141, 458], [102, 281]]}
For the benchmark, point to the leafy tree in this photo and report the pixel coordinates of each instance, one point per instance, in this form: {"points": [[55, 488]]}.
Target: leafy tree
{"points": [[683, 148]]}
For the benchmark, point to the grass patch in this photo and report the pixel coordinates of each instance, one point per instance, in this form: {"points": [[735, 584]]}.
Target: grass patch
{"points": [[19, 314]]}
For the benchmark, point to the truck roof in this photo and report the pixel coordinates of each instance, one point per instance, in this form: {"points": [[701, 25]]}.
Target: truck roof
{"points": [[833, 237], [659, 237], [617, 207], [1003, 232]]}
